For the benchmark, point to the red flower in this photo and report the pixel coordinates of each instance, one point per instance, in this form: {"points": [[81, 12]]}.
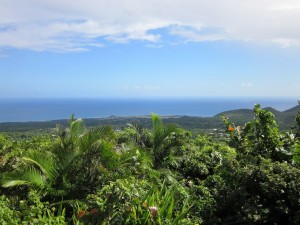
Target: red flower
{"points": [[81, 213], [230, 128]]}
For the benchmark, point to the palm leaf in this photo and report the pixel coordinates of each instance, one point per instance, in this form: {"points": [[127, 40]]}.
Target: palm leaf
{"points": [[29, 176], [7, 182], [77, 128], [44, 161], [162, 138], [88, 139], [108, 156], [161, 132], [35, 177]]}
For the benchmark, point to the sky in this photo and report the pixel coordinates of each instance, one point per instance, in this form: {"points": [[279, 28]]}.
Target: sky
{"points": [[149, 48]]}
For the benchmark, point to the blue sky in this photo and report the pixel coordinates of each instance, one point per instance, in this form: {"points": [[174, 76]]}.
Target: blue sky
{"points": [[101, 48]]}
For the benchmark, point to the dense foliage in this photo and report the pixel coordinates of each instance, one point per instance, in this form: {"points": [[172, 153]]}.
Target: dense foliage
{"points": [[163, 175]]}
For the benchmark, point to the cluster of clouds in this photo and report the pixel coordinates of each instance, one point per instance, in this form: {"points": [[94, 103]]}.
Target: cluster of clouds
{"points": [[52, 25]]}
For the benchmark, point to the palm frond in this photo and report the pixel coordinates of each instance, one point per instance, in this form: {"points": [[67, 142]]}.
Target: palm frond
{"points": [[44, 161], [109, 157], [35, 177], [29, 176], [161, 139], [7, 181], [161, 132], [77, 127], [65, 158], [88, 140], [106, 132]]}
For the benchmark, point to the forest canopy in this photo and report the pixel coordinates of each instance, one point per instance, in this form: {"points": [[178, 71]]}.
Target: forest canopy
{"points": [[159, 175]]}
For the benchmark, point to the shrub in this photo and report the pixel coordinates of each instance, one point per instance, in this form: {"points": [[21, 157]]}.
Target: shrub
{"points": [[31, 211]]}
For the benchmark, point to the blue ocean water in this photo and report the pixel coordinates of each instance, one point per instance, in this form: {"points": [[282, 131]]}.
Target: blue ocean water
{"points": [[20, 110]]}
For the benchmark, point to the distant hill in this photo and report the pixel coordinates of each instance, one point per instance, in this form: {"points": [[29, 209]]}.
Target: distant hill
{"points": [[285, 120]]}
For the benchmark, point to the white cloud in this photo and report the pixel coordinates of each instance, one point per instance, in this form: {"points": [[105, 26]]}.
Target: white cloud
{"points": [[67, 25], [197, 35], [154, 46], [247, 84], [286, 42]]}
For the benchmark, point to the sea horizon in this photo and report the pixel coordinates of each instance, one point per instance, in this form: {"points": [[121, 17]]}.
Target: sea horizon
{"points": [[45, 109]]}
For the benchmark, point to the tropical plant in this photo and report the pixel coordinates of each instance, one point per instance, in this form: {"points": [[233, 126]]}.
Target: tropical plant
{"points": [[134, 201], [162, 140], [296, 152], [259, 137], [51, 172], [139, 135], [29, 211], [297, 120], [259, 194]]}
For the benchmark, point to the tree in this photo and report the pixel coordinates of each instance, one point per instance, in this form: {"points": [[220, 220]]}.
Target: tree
{"points": [[259, 194], [296, 153], [259, 137]]}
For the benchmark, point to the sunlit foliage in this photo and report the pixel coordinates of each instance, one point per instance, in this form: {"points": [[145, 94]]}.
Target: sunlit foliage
{"points": [[162, 175]]}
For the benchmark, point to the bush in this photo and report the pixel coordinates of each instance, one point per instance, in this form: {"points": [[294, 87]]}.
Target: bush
{"points": [[264, 194], [31, 211]]}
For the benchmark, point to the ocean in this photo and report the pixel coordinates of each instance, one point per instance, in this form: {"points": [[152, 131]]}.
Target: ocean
{"points": [[21, 110]]}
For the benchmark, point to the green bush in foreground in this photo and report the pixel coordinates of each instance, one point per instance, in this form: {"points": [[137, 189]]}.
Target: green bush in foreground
{"points": [[29, 211]]}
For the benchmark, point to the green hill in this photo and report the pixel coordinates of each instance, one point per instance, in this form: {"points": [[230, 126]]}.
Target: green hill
{"points": [[285, 119]]}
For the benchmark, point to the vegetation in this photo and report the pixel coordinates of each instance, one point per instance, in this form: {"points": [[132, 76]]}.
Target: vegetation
{"points": [[158, 175]]}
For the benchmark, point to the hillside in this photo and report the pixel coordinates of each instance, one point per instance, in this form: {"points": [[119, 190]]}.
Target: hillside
{"points": [[285, 119]]}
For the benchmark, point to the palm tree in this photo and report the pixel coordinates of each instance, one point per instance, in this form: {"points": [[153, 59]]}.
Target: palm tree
{"points": [[162, 138], [52, 173]]}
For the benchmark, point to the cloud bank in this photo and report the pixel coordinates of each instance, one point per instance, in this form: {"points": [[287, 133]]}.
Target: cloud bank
{"points": [[52, 25]]}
